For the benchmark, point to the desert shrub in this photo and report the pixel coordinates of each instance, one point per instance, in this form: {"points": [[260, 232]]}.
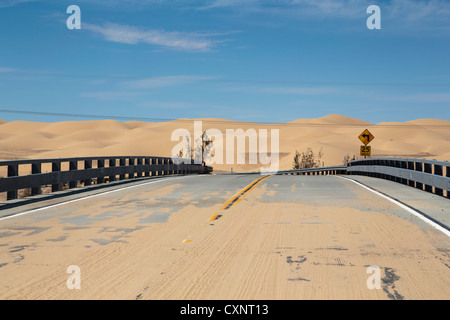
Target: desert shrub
{"points": [[307, 159]]}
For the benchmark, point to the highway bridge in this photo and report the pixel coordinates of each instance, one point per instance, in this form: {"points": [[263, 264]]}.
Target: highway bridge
{"points": [[376, 229]]}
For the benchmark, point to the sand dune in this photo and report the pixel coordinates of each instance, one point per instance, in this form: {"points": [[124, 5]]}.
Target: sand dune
{"points": [[332, 119], [335, 134]]}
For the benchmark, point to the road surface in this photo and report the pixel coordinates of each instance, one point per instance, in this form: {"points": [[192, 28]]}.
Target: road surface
{"points": [[227, 237]]}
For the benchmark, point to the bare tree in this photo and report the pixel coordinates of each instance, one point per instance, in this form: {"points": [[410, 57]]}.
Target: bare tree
{"points": [[307, 159], [204, 146]]}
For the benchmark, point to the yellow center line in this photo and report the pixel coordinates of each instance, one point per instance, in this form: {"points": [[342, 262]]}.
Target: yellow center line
{"points": [[238, 197]]}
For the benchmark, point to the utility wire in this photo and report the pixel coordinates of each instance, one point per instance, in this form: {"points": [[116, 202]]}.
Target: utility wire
{"points": [[147, 119]]}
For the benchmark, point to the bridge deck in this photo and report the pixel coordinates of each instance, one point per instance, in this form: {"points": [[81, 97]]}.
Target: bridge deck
{"points": [[286, 237]]}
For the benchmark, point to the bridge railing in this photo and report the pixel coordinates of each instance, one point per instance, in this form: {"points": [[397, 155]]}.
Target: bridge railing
{"points": [[428, 175], [316, 171], [56, 174]]}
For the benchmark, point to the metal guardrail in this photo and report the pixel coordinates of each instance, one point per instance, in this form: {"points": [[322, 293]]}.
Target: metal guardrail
{"points": [[428, 175], [316, 171], [95, 170]]}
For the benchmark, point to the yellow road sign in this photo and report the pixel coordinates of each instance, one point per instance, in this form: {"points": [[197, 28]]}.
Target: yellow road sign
{"points": [[366, 137], [366, 151]]}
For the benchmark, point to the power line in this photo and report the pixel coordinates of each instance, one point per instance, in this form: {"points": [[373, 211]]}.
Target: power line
{"points": [[79, 115], [147, 119]]}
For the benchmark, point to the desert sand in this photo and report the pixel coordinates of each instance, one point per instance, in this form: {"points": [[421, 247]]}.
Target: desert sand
{"points": [[336, 135]]}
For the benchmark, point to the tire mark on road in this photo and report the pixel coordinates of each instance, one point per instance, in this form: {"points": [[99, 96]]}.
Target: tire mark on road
{"points": [[389, 284]]}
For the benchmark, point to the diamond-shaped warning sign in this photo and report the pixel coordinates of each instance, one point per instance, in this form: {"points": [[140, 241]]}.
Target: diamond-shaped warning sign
{"points": [[366, 137]]}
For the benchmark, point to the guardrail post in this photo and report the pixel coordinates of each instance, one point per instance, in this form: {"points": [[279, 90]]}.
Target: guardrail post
{"points": [[112, 164], [36, 169], [138, 163], [419, 168], [166, 167], [382, 163], [438, 171], [143, 165], [391, 163], [73, 166], [171, 166], [122, 163], [447, 170], [56, 167], [410, 166], [160, 164], [427, 169], [403, 165], [100, 164], [131, 162], [396, 164], [87, 166], [147, 167], [13, 171], [152, 167]]}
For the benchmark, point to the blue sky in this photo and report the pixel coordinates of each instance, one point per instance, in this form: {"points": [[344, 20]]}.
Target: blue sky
{"points": [[248, 60]]}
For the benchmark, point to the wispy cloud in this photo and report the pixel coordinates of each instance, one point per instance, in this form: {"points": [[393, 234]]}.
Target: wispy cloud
{"points": [[12, 3], [401, 10], [304, 91], [186, 41], [228, 3], [130, 90], [159, 82], [112, 95], [7, 70], [157, 104], [404, 10], [439, 97]]}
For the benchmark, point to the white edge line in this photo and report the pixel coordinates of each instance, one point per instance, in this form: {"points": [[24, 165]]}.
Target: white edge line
{"points": [[88, 197], [410, 210]]}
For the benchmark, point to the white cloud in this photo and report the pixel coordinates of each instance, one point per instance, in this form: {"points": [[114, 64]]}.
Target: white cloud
{"points": [[7, 70], [401, 10], [299, 90], [126, 90], [187, 41], [439, 97], [12, 3], [157, 104], [228, 3], [112, 95], [159, 82], [312, 91]]}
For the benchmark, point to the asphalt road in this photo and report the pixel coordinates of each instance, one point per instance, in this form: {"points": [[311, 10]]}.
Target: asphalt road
{"points": [[228, 237]]}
